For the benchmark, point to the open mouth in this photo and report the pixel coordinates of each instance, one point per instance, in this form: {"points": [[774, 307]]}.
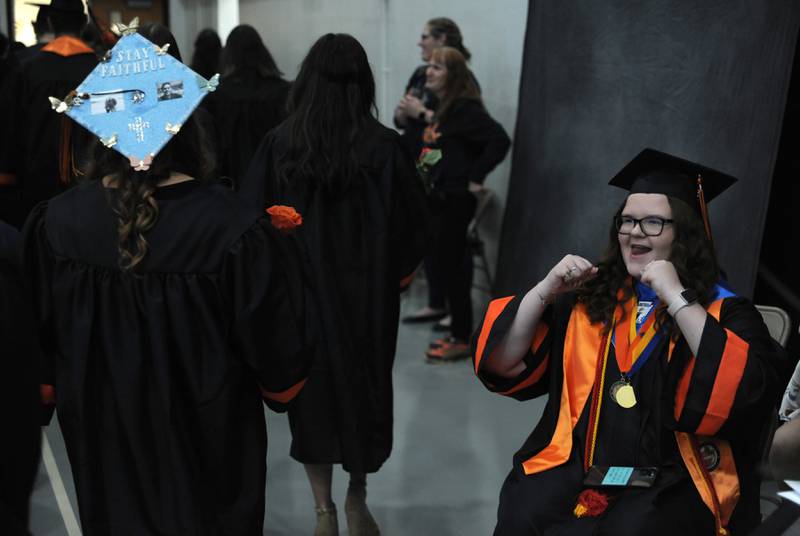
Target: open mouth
{"points": [[638, 250]]}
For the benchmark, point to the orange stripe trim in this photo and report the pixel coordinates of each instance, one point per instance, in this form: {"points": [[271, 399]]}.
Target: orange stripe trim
{"points": [[538, 337], [7, 179], [683, 385], [530, 380], [286, 396], [48, 394], [715, 309], [67, 46], [726, 383], [492, 312]]}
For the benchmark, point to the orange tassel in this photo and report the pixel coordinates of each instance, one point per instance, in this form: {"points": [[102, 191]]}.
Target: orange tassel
{"points": [[701, 198]]}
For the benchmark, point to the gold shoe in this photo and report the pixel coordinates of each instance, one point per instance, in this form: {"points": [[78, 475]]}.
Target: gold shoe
{"points": [[327, 522], [359, 519]]}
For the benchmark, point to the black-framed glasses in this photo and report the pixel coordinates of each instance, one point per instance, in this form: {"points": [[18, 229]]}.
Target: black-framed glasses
{"points": [[650, 225]]}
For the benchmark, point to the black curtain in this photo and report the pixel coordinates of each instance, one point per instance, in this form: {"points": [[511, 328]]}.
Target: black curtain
{"points": [[704, 80]]}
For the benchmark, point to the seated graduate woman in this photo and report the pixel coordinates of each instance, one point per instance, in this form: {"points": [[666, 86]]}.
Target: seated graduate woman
{"points": [[658, 375]]}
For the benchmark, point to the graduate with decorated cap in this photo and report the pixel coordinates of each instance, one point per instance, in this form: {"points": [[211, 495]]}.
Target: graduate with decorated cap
{"points": [[659, 377], [167, 309]]}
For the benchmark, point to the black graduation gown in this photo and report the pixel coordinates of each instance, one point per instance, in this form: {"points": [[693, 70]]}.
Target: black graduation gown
{"points": [[158, 374], [19, 398], [34, 131], [361, 243], [543, 502], [244, 110]]}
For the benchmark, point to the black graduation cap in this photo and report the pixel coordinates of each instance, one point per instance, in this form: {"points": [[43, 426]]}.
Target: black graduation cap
{"points": [[66, 6], [655, 172]]}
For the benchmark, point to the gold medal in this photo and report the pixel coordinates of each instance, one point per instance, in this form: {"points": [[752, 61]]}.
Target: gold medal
{"points": [[622, 393]]}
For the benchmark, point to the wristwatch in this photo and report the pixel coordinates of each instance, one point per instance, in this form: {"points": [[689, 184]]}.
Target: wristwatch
{"points": [[421, 115], [685, 298]]}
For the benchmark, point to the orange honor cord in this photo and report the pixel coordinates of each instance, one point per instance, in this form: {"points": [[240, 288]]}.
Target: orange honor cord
{"points": [[701, 198], [597, 400]]}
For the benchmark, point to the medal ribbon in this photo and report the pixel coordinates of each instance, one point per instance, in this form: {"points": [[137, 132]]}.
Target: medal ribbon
{"points": [[633, 347]]}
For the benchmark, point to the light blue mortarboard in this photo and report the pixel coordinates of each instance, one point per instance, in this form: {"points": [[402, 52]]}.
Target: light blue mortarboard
{"points": [[136, 98]]}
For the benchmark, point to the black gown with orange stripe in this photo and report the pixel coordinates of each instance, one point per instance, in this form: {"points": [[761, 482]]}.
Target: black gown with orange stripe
{"points": [[363, 243], [719, 401], [159, 375]]}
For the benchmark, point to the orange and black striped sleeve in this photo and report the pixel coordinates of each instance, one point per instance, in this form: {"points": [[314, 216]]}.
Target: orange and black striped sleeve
{"points": [[736, 366], [496, 322]]}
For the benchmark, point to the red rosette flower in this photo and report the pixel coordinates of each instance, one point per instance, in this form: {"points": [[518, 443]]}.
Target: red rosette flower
{"points": [[591, 503], [284, 218]]}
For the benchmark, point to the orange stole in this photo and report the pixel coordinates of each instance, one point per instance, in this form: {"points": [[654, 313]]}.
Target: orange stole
{"points": [[581, 347], [719, 487]]}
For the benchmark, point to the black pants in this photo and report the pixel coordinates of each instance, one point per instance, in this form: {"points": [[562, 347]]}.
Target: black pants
{"points": [[454, 212], [436, 279]]}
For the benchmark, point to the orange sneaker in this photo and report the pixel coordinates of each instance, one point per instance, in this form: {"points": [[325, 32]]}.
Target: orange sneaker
{"points": [[449, 350]]}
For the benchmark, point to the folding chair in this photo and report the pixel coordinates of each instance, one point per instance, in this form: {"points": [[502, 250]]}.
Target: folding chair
{"points": [[779, 325], [474, 240]]}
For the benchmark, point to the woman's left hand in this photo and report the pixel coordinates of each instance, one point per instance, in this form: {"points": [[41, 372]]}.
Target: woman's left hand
{"points": [[662, 277]]}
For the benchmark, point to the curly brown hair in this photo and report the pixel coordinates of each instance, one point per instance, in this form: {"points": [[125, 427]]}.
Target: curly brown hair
{"points": [[692, 255], [132, 196]]}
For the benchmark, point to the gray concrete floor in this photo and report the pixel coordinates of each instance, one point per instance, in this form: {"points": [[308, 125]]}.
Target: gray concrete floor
{"points": [[453, 446]]}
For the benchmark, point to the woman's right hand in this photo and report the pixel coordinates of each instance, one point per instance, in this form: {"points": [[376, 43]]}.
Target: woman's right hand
{"points": [[568, 274]]}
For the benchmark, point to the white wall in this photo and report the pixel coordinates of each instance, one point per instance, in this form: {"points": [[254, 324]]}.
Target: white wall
{"points": [[187, 18], [389, 31], [4, 18]]}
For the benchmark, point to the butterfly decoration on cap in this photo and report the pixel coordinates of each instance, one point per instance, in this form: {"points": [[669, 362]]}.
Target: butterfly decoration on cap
{"points": [[137, 97]]}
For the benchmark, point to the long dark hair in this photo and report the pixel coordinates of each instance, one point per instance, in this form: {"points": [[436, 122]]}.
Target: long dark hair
{"points": [[692, 255], [330, 103], [160, 35], [442, 26], [207, 48], [245, 55], [459, 83], [187, 152]]}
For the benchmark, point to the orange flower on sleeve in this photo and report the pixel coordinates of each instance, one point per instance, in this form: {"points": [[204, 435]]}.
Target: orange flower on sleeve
{"points": [[284, 218]]}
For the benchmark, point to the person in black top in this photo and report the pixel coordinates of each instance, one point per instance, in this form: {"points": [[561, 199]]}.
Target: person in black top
{"points": [[250, 100], [42, 150], [409, 117], [166, 310], [417, 99], [207, 51], [471, 145], [365, 231], [19, 391]]}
